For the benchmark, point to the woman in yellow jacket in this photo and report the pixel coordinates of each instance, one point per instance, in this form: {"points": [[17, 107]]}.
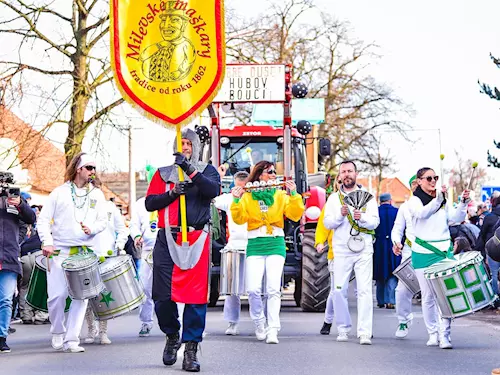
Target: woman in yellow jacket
{"points": [[263, 212], [323, 236]]}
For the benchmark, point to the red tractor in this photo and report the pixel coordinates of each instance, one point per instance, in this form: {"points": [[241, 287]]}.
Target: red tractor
{"points": [[294, 149]]}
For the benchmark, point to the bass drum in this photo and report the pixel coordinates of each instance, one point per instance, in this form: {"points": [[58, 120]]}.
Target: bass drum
{"points": [[37, 289]]}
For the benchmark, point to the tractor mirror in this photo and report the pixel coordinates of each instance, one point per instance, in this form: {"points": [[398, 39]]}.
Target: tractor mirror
{"points": [[325, 147]]}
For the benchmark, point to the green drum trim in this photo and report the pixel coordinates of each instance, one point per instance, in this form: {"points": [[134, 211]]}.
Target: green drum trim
{"points": [[464, 299], [482, 269], [114, 277], [451, 266], [478, 296], [450, 283], [123, 307], [467, 270]]}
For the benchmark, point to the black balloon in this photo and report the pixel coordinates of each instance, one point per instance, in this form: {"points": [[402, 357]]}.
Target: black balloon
{"points": [[299, 90], [304, 127], [202, 132]]}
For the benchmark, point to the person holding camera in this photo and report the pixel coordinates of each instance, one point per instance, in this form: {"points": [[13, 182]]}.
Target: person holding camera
{"points": [[73, 214], [12, 210]]}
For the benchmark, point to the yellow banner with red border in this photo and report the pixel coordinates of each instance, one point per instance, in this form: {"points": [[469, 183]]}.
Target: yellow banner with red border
{"points": [[168, 56]]}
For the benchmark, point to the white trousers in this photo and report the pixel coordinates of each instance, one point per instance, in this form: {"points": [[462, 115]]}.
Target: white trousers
{"points": [[329, 311], [146, 275], [362, 264], [430, 310], [58, 292], [232, 308], [255, 268], [403, 295]]}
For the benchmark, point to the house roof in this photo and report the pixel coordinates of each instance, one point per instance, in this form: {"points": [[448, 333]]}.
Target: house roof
{"points": [[398, 190], [45, 163]]}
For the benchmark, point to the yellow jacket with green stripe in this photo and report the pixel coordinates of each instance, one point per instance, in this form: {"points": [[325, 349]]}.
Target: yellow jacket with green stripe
{"points": [[323, 235], [248, 210]]}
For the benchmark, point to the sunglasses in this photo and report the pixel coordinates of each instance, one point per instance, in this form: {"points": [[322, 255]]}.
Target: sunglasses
{"points": [[271, 171], [89, 168], [430, 178]]}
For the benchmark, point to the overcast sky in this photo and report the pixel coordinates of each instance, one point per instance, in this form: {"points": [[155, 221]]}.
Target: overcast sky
{"points": [[433, 54]]}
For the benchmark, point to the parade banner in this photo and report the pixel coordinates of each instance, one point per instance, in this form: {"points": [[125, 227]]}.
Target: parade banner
{"points": [[168, 56]]}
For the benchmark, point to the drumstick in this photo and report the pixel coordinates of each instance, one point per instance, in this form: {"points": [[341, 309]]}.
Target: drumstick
{"points": [[474, 166], [48, 263]]}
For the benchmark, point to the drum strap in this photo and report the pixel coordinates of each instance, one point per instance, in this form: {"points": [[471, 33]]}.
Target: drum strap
{"points": [[353, 223], [426, 245], [408, 242], [73, 250]]}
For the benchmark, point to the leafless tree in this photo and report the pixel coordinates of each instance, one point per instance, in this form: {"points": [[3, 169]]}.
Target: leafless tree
{"points": [[331, 63], [461, 174], [67, 44]]}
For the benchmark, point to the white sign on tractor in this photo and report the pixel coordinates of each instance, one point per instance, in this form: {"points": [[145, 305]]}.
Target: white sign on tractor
{"points": [[252, 83]]}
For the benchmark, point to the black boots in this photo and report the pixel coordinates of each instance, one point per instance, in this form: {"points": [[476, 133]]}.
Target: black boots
{"points": [[325, 330], [171, 347], [190, 362]]}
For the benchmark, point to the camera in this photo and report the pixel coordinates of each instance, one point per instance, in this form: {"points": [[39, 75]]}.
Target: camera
{"points": [[7, 190]]}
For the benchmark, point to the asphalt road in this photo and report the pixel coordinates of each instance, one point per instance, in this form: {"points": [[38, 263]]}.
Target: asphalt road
{"points": [[302, 350]]}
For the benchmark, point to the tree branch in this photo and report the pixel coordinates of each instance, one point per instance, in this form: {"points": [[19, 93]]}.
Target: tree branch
{"points": [[103, 111], [36, 69]]}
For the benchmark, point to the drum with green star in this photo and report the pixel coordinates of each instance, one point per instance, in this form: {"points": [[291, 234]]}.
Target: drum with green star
{"points": [[123, 290], [461, 285]]}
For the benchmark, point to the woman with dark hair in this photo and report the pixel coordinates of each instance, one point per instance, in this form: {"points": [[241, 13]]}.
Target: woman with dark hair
{"points": [[461, 245], [432, 244], [490, 224], [264, 211]]}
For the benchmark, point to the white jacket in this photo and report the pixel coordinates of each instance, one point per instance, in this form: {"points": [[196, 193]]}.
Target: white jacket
{"points": [[59, 220], [342, 228], [238, 234], [402, 225], [145, 224], [115, 236]]}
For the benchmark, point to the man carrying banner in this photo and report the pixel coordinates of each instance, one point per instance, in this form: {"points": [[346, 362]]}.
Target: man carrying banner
{"points": [[181, 270]]}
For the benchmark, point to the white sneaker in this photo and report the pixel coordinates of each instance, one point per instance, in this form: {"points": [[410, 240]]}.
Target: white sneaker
{"points": [[232, 329], [104, 339], [342, 337], [272, 336], [365, 340], [402, 330], [433, 340], [57, 341], [74, 349], [445, 343], [260, 332]]}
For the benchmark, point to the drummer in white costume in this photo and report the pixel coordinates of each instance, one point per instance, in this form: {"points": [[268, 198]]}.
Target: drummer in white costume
{"points": [[339, 218], [237, 241], [403, 227], [109, 242], [72, 215], [430, 216], [143, 228]]}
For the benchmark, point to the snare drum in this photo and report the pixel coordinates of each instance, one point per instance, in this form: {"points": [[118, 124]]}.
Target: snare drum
{"points": [[461, 285], [37, 290], [82, 276], [232, 275], [123, 291], [406, 274]]}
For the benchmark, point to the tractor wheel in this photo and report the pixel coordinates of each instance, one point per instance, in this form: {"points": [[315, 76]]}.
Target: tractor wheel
{"points": [[315, 275]]}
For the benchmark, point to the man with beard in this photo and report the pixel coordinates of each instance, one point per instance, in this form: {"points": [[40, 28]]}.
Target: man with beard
{"points": [[180, 271], [172, 58], [345, 222]]}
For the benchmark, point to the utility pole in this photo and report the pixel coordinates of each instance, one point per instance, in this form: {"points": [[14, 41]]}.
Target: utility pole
{"points": [[131, 174]]}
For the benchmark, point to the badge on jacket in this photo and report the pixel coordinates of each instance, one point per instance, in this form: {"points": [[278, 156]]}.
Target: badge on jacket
{"points": [[263, 206], [93, 202]]}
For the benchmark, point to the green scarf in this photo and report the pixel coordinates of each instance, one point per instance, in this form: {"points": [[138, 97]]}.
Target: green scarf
{"points": [[267, 196]]}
